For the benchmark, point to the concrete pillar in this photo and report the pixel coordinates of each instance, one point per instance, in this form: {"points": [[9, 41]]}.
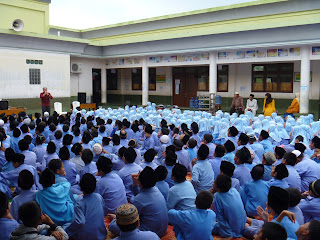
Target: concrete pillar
{"points": [[145, 82], [213, 76], [305, 79], [103, 85]]}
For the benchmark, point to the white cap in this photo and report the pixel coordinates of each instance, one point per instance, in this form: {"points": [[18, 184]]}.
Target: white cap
{"points": [[236, 93], [97, 148], [1, 122], [164, 139], [296, 152], [27, 121], [46, 114]]}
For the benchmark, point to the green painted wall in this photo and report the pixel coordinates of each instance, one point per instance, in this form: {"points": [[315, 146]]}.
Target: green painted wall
{"points": [[136, 99]]}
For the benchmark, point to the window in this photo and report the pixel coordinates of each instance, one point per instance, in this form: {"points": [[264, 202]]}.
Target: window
{"points": [[112, 79], [137, 79], [272, 77], [223, 73], [34, 76], [202, 74]]}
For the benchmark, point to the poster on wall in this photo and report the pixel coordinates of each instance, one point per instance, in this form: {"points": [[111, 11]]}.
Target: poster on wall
{"points": [[294, 51], [161, 78], [272, 52], [121, 61], [152, 59], [316, 51], [205, 56], [222, 55], [251, 54], [297, 76], [282, 52], [173, 58], [262, 53], [240, 54]]}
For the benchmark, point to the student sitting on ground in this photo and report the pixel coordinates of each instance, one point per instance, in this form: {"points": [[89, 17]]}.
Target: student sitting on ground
{"points": [[272, 231], [34, 222], [202, 175], [25, 182], [207, 139], [195, 224], [242, 173], [279, 173], [148, 159], [310, 206], [228, 168], [182, 195], [228, 206], [88, 221], [279, 153], [255, 193], [162, 185], [110, 186], [70, 168], [30, 157], [263, 138], [216, 161], [127, 219], [90, 166], [293, 179], [77, 150], [268, 159], [309, 231], [7, 223], [170, 161], [294, 200], [54, 199], [49, 155], [229, 156]]}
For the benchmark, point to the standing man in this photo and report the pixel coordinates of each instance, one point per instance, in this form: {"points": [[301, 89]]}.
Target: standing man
{"points": [[45, 100], [237, 104]]}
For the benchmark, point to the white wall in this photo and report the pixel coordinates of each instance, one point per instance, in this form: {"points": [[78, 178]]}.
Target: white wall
{"points": [[14, 74]]}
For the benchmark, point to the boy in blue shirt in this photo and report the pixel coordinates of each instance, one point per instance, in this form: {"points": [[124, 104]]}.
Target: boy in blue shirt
{"points": [[263, 138], [88, 222], [162, 185], [195, 224], [170, 161], [242, 172], [229, 156], [148, 159], [25, 182], [231, 215], [255, 193], [279, 173], [7, 223], [271, 230], [294, 200], [228, 168], [216, 161]]}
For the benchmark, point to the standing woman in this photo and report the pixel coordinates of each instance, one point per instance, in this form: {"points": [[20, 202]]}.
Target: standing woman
{"points": [[268, 105]]}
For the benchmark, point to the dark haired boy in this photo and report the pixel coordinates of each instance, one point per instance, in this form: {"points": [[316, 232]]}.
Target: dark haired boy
{"points": [[162, 185], [7, 223], [263, 139], [34, 222], [294, 200], [148, 140], [170, 161], [228, 168], [182, 195], [232, 135], [293, 180], [229, 208], [271, 230], [130, 168], [255, 192], [150, 203], [279, 173], [279, 152], [30, 157], [207, 139], [216, 161], [242, 172], [148, 159], [229, 154], [110, 186], [88, 222], [25, 182], [202, 175], [195, 224], [89, 165]]}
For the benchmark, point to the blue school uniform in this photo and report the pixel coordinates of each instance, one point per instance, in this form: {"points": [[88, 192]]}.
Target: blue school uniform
{"points": [[278, 183], [267, 172], [137, 234], [215, 164], [115, 149], [7, 167], [197, 138], [183, 158], [125, 175], [88, 221], [163, 187], [234, 140], [236, 184], [242, 173], [267, 145], [40, 151], [181, 196], [293, 180], [192, 153], [309, 171], [212, 148], [149, 164], [168, 178], [112, 190], [14, 144], [310, 208], [152, 210], [58, 143], [229, 157], [89, 168], [254, 194], [7, 226], [196, 224], [55, 201], [23, 197], [30, 158], [147, 144], [78, 162], [159, 159], [258, 149], [71, 172], [118, 163], [69, 148], [202, 175], [231, 215], [298, 214]]}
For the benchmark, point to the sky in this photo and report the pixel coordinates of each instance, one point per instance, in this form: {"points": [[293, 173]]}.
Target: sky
{"points": [[82, 14]]}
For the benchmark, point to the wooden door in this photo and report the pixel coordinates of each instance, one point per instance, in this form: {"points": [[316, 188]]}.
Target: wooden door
{"points": [[96, 86]]}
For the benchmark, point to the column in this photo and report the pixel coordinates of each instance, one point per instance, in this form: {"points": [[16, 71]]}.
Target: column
{"points": [[213, 73], [145, 82], [103, 85], [305, 79]]}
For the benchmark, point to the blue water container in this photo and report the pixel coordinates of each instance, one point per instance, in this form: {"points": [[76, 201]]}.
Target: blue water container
{"points": [[218, 100], [196, 103], [191, 103]]}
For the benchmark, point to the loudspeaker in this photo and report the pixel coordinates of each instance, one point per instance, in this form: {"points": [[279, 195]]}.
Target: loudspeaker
{"points": [[4, 105], [17, 25], [82, 97]]}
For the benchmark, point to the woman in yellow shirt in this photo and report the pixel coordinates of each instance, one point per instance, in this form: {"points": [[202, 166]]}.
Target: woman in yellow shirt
{"points": [[294, 107], [268, 105]]}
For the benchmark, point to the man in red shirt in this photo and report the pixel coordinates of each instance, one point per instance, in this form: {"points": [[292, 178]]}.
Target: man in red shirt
{"points": [[45, 100]]}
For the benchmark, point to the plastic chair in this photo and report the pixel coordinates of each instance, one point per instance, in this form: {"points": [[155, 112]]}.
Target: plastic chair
{"points": [[75, 104], [58, 108]]}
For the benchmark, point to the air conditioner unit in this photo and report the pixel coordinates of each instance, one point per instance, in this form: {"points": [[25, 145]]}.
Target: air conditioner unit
{"points": [[76, 67]]}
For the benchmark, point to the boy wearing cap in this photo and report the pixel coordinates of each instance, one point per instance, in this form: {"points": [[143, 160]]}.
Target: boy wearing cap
{"points": [[268, 159], [202, 175], [195, 224], [7, 223], [182, 155], [127, 219], [237, 104], [263, 138], [164, 140]]}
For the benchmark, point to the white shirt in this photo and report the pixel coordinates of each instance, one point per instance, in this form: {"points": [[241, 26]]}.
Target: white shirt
{"points": [[252, 104]]}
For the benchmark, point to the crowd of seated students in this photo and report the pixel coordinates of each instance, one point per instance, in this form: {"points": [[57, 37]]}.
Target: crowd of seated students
{"points": [[66, 174]]}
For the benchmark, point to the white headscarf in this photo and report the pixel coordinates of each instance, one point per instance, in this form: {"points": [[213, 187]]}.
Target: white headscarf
{"points": [[297, 96]]}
